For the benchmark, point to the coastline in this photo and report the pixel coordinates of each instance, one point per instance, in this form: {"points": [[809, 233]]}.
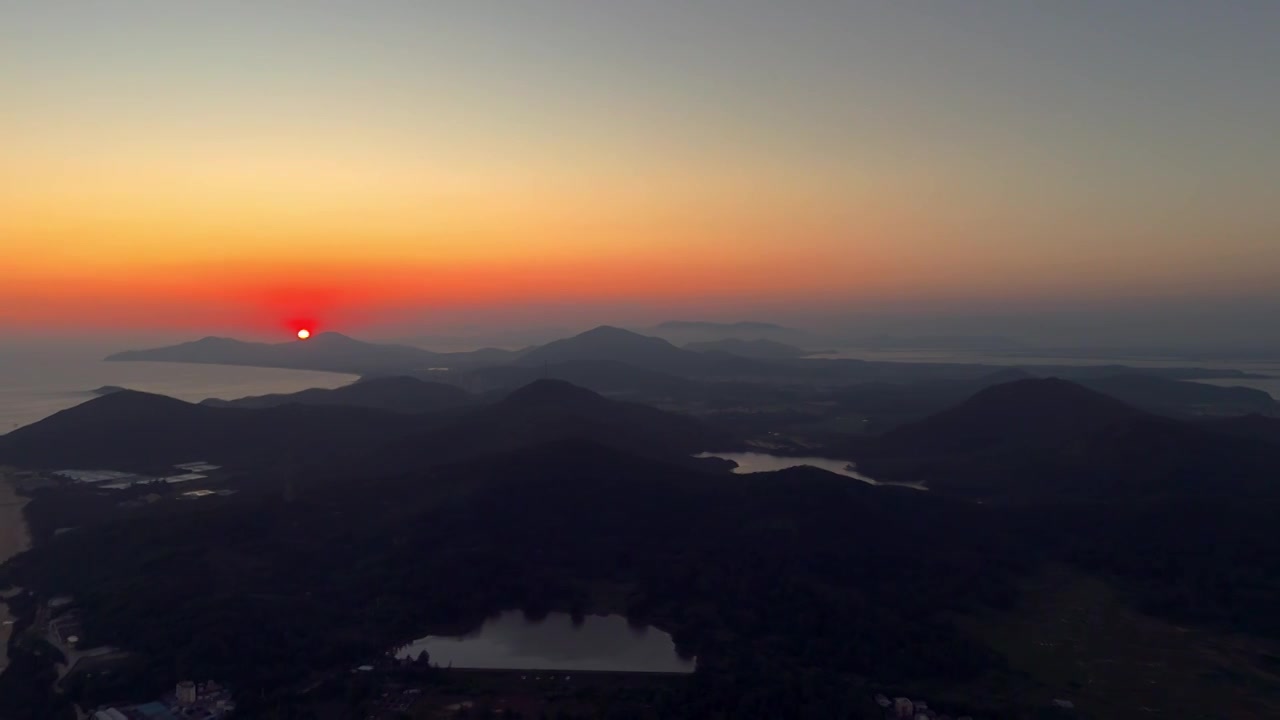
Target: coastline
{"points": [[13, 540]]}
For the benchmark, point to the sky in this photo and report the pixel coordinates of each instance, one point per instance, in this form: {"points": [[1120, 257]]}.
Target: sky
{"points": [[387, 165]]}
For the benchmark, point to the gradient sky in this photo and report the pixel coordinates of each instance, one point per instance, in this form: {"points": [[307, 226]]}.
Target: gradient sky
{"points": [[243, 164]]}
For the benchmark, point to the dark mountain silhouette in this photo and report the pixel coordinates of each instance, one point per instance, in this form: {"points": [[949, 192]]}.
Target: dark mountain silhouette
{"points": [[895, 403], [603, 376], [396, 393], [141, 432], [1035, 412], [773, 580], [1179, 397], [1250, 426], [325, 351], [891, 404], [760, 348], [605, 343], [1042, 439], [554, 393], [617, 345], [553, 410]]}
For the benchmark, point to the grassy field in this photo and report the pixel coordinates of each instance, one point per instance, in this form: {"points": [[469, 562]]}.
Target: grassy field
{"points": [[1075, 638]]}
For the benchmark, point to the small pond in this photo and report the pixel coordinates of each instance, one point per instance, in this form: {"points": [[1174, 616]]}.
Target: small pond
{"points": [[754, 462], [511, 641]]}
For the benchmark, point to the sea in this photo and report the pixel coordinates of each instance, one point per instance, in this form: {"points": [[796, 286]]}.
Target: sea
{"points": [[38, 380]]}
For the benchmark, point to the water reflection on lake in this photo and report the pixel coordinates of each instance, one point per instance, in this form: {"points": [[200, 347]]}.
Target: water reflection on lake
{"points": [[753, 462], [599, 643]]}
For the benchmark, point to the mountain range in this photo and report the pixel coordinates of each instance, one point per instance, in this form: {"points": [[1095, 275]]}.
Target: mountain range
{"points": [[397, 393], [734, 358], [1042, 439], [383, 425], [394, 507]]}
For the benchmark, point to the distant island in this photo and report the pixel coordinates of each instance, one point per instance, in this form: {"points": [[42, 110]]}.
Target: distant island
{"points": [[326, 351], [723, 358]]}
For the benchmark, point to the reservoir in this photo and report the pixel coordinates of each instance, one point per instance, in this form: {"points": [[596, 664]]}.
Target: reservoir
{"points": [[753, 462], [510, 641]]}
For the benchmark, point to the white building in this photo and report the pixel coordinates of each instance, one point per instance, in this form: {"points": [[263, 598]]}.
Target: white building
{"points": [[186, 692]]}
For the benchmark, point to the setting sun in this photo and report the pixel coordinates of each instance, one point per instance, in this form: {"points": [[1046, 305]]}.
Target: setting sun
{"points": [[303, 334]]}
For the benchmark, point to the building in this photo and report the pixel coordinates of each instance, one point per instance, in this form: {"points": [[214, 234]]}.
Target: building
{"points": [[189, 701], [186, 693]]}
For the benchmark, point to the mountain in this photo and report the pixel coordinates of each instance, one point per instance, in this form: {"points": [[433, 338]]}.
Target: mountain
{"points": [[1039, 412], [553, 410], [395, 393], [609, 377], [326, 351], [349, 428], [796, 590], [1251, 426], [733, 567], [613, 344], [1053, 439], [605, 343], [760, 348], [1182, 398], [141, 432], [889, 404]]}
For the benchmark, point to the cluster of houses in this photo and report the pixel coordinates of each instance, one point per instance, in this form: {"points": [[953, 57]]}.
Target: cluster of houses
{"points": [[189, 701], [904, 708]]}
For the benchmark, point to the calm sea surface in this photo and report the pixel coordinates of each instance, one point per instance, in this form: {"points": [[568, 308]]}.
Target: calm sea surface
{"points": [[36, 382]]}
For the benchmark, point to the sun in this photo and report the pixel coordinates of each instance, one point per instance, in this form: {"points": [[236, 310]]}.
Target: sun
{"points": [[303, 334]]}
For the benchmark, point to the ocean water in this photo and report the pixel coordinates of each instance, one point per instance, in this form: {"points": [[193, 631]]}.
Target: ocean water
{"points": [[39, 380]]}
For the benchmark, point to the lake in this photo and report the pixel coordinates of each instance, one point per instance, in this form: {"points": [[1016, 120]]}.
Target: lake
{"points": [[754, 462], [510, 641]]}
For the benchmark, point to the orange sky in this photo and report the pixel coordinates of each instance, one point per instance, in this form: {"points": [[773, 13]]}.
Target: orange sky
{"points": [[201, 166]]}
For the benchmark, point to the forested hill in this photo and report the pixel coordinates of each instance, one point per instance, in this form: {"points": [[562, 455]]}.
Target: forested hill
{"points": [[1041, 439]]}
